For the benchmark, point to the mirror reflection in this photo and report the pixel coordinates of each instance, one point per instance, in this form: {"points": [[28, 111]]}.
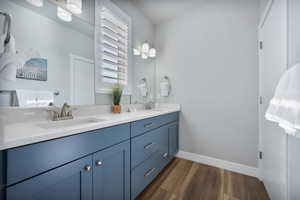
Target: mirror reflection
{"points": [[68, 52]]}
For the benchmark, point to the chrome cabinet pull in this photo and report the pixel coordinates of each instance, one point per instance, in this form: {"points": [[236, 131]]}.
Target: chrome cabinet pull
{"points": [[99, 163], [87, 168], [148, 146], [148, 125], [150, 172]]}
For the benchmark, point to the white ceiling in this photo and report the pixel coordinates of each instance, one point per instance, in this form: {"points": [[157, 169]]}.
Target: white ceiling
{"points": [[159, 11]]}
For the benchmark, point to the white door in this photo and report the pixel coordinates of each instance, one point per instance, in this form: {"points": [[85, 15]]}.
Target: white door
{"points": [[82, 81], [273, 62]]}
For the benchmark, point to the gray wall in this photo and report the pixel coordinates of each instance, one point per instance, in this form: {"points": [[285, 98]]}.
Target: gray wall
{"points": [[211, 58], [294, 58], [54, 42]]}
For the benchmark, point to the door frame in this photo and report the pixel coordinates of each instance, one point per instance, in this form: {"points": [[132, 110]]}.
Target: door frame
{"points": [[262, 22], [74, 57], [260, 117]]}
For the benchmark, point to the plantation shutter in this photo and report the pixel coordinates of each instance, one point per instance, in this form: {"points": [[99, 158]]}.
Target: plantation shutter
{"points": [[113, 48]]}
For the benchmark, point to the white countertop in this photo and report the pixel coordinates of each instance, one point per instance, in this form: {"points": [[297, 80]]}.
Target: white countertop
{"points": [[20, 134]]}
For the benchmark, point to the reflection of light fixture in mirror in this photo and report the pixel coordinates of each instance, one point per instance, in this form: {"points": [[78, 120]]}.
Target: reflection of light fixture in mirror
{"points": [[64, 15], [145, 51], [75, 6], [37, 3]]}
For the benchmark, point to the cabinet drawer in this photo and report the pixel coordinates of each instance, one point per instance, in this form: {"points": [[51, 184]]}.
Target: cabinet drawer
{"points": [[146, 172], [142, 126], [142, 147], [25, 162]]}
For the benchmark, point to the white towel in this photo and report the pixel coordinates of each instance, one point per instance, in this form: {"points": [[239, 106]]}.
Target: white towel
{"points": [[143, 89], [10, 61], [2, 39], [31, 98], [164, 89]]}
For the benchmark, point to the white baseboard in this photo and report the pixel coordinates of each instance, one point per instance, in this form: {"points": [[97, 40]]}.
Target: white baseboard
{"points": [[231, 166]]}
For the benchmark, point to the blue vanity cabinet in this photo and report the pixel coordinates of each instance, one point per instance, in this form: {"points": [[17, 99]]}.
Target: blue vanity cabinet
{"points": [[111, 175], [153, 145], [114, 163], [71, 181], [173, 139]]}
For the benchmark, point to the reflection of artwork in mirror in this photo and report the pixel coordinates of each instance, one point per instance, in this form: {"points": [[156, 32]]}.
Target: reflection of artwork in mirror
{"points": [[34, 69]]}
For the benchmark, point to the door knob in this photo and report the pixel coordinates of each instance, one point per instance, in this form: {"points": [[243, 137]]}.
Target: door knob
{"points": [[88, 168]]}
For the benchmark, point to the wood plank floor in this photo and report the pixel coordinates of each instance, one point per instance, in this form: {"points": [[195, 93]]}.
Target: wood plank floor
{"points": [[187, 180]]}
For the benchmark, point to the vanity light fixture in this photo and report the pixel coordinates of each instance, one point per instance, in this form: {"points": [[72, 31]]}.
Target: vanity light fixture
{"points": [[37, 3], [284, 107], [145, 51], [75, 6], [145, 48], [64, 14], [152, 53]]}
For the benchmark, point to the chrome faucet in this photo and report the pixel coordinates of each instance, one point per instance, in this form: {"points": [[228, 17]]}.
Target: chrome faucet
{"points": [[57, 114]]}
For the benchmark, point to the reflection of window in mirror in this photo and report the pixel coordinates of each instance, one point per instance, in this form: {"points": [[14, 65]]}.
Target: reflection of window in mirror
{"points": [[113, 42]]}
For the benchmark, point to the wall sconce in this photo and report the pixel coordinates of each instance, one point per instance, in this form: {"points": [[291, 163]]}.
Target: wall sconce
{"points": [[64, 15], [145, 51], [75, 6], [37, 3]]}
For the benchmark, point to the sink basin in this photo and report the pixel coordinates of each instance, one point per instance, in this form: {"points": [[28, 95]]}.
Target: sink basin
{"points": [[68, 123]]}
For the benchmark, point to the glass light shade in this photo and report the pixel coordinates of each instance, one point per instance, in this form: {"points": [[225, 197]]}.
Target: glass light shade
{"points": [[152, 53], [136, 52], [75, 6], [145, 48], [37, 3], [64, 15], [144, 56], [284, 107]]}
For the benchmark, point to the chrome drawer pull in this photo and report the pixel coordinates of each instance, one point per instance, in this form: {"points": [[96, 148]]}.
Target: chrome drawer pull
{"points": [[150, 172], [99, 163], [165, 155], [148, 125], [148, 146]]}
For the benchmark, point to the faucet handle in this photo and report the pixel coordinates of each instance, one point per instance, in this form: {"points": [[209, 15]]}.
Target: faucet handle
{"points": [[66, 110], [53, 114]]}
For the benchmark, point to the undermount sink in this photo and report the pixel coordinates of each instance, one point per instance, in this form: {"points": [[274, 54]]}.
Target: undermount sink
{"points": [[68, 123]]}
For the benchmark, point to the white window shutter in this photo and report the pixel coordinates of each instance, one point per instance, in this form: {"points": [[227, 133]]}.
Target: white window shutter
{"points": [[112, 47]]}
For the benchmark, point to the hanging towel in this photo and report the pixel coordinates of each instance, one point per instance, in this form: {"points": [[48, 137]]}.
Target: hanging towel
{"points": [[10, 60], [2, 39], [31, 98], [143, 89]]}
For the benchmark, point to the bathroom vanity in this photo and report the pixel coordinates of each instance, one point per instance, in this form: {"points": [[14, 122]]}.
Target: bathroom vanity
{"points": [[115, 162]]}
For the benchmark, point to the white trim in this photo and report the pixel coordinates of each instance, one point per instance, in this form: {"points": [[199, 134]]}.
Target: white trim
{"points": [[109, 91], [102, 87], [223, 164], [266, 13], [261, 116], [72, 58]]}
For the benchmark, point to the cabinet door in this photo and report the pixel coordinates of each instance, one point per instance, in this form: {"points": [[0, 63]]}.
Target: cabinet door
{"points": [[71, 181], [112, 173], [173, 139]]}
